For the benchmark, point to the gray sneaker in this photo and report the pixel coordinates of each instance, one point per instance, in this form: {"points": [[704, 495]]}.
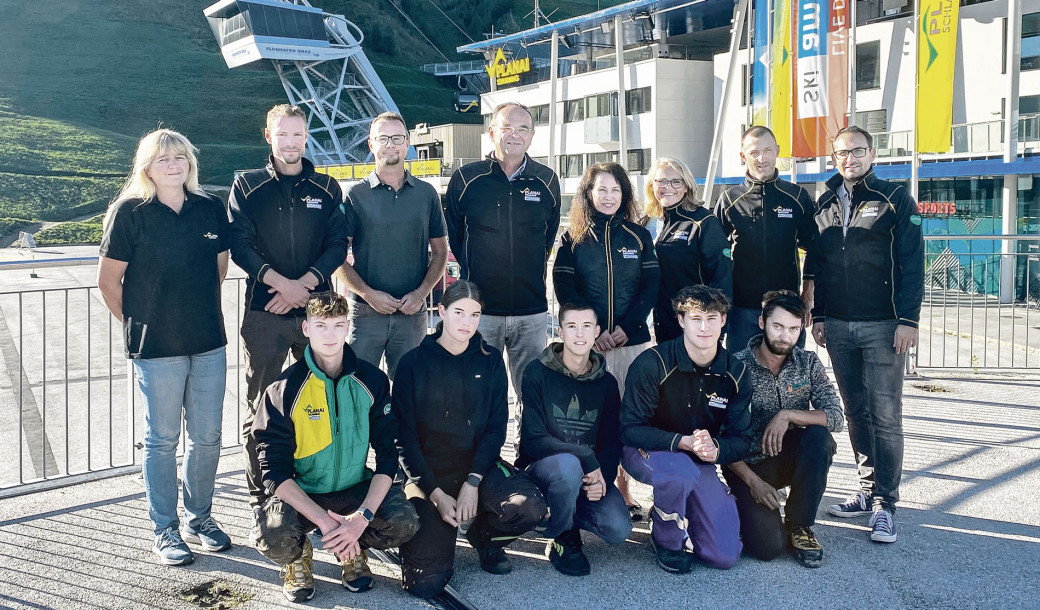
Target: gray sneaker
{"points": [[208, 535], [882, 526], [171, 549]]}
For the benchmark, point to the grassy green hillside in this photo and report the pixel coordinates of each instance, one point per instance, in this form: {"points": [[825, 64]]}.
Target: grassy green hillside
{"points": [[82, 80]]}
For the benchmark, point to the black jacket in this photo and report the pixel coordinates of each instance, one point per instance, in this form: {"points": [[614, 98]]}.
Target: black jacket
{"points": [[451, 411], [615, 270], [666, 398], [502, 232], [691, 249], [876, 270], [292, 224], [766, 222], [568, 413]]}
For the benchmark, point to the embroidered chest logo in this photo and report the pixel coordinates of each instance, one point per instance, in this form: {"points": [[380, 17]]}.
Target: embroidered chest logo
{"points": [[680, 234], [314, 413], [782, 212], [313, 203], [797, 386], [629, 252], [532, 195], [208, 235], [871, 211], [717, 402]]}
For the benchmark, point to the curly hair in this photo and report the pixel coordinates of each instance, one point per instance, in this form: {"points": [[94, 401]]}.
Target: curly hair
{"points": [[327, 304], [582, 208], [700, 298]]}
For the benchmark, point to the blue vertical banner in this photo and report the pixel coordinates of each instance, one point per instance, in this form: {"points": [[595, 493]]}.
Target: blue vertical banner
{"points": [[760, 73]]}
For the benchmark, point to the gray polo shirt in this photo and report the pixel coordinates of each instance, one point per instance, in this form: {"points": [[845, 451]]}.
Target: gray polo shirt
{"points": [[392, 231]]}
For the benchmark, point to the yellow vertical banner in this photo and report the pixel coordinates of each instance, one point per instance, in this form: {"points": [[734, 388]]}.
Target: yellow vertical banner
{"points": [[936, 57], [780, 105]]}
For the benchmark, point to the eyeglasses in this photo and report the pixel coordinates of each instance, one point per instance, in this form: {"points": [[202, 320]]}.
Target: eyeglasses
{"points": [[397, 140], [522, 130], [855, 152], [675, 183]]}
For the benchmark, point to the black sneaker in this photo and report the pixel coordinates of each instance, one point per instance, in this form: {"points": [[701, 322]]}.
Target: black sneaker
{"points": [[566, 556], [493, 559], [856, 505], [882, 526], [807, 549], [674, 562]]}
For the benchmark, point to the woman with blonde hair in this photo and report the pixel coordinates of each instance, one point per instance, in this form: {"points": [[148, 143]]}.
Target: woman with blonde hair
{"points": [[691, 246], [607, 260], [163, 257]]}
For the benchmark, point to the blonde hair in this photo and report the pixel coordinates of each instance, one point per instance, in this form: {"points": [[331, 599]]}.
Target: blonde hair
{"points": [[152, 145], [284, 110], [653, 208]]}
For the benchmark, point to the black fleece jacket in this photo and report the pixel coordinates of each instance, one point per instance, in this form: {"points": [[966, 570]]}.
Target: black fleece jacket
{"points": [[568, 413], [502, 231], [615, 270], [451, 411], [875, 270], [668, 397], [292, 224], [766, 221], [692, 250]]}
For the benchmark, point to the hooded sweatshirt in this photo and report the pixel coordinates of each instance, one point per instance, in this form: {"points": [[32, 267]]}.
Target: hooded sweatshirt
{"points": [[452, 411], [569, 413]]}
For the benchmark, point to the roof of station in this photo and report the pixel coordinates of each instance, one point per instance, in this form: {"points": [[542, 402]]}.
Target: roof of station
{"points": [[701, 25]]}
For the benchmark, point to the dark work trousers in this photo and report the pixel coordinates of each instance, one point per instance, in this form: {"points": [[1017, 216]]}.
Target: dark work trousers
{"points": [[508, 505], [282, 529], [804, 460], [267, 339]]}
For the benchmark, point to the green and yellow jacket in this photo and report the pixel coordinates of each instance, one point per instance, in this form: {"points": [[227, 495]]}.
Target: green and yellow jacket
{"points": [[316, 430]]}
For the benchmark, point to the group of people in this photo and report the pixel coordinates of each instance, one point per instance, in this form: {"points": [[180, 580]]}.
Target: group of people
{"points": [[722, 381]]}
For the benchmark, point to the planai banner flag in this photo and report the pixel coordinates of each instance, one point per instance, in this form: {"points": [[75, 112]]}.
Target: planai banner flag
{"points": [[780, 98], [821, 67], [936, 57]]}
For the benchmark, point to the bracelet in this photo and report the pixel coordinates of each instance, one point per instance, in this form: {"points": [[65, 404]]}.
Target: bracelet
{"points": [[421, 297]]}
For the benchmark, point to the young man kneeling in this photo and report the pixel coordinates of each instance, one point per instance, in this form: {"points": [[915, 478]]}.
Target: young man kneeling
{"points": [[312, 458], [570, 441], [686, 409]]}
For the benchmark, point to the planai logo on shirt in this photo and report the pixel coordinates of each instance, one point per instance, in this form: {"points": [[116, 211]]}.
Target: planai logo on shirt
{"points": [[782, 212], [628, 252], [532, 195], [314, 413], [313, 203], [209, 235], [680, 234], [717, 402]]}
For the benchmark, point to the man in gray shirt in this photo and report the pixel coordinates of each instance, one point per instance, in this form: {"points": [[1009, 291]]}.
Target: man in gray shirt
{"points": [[400, 250], [794, 409]]}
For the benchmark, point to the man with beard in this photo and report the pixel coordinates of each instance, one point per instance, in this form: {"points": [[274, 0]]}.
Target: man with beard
{"points": [[400, 249], [794, 409]]}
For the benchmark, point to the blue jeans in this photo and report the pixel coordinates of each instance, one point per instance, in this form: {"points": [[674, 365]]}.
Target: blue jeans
{"points": [[192, 385], [559, 477], [742, 324], [869, 373], [372, 334], [521, 339]]}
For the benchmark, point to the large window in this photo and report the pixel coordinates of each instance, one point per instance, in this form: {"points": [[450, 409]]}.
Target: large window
{"points": [[540, 114], [868, 65], [573, 110], [571, 166], [1030, 41], [637, 101], [599, 105], [603, 157], [639, 160]]}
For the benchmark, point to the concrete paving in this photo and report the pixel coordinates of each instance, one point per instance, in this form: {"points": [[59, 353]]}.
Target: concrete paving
{"points": [[969, 536]]}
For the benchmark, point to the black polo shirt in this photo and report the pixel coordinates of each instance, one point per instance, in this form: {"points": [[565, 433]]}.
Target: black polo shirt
{"points": [[171, 288], [392, 232]]}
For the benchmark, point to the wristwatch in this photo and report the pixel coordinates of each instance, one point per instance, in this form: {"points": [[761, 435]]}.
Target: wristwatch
{"points": [[365, 514], [473, 480]]}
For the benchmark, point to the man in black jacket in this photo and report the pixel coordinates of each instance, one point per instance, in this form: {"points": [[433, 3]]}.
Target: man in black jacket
{"points": [[570, 443], [289, 234], [767, 219], [687, 408], [869, 264], [502, 214]]}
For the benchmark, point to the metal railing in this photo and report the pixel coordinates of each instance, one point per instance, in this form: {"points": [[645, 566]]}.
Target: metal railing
{"points": [[72, 394], [981, 138]]}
